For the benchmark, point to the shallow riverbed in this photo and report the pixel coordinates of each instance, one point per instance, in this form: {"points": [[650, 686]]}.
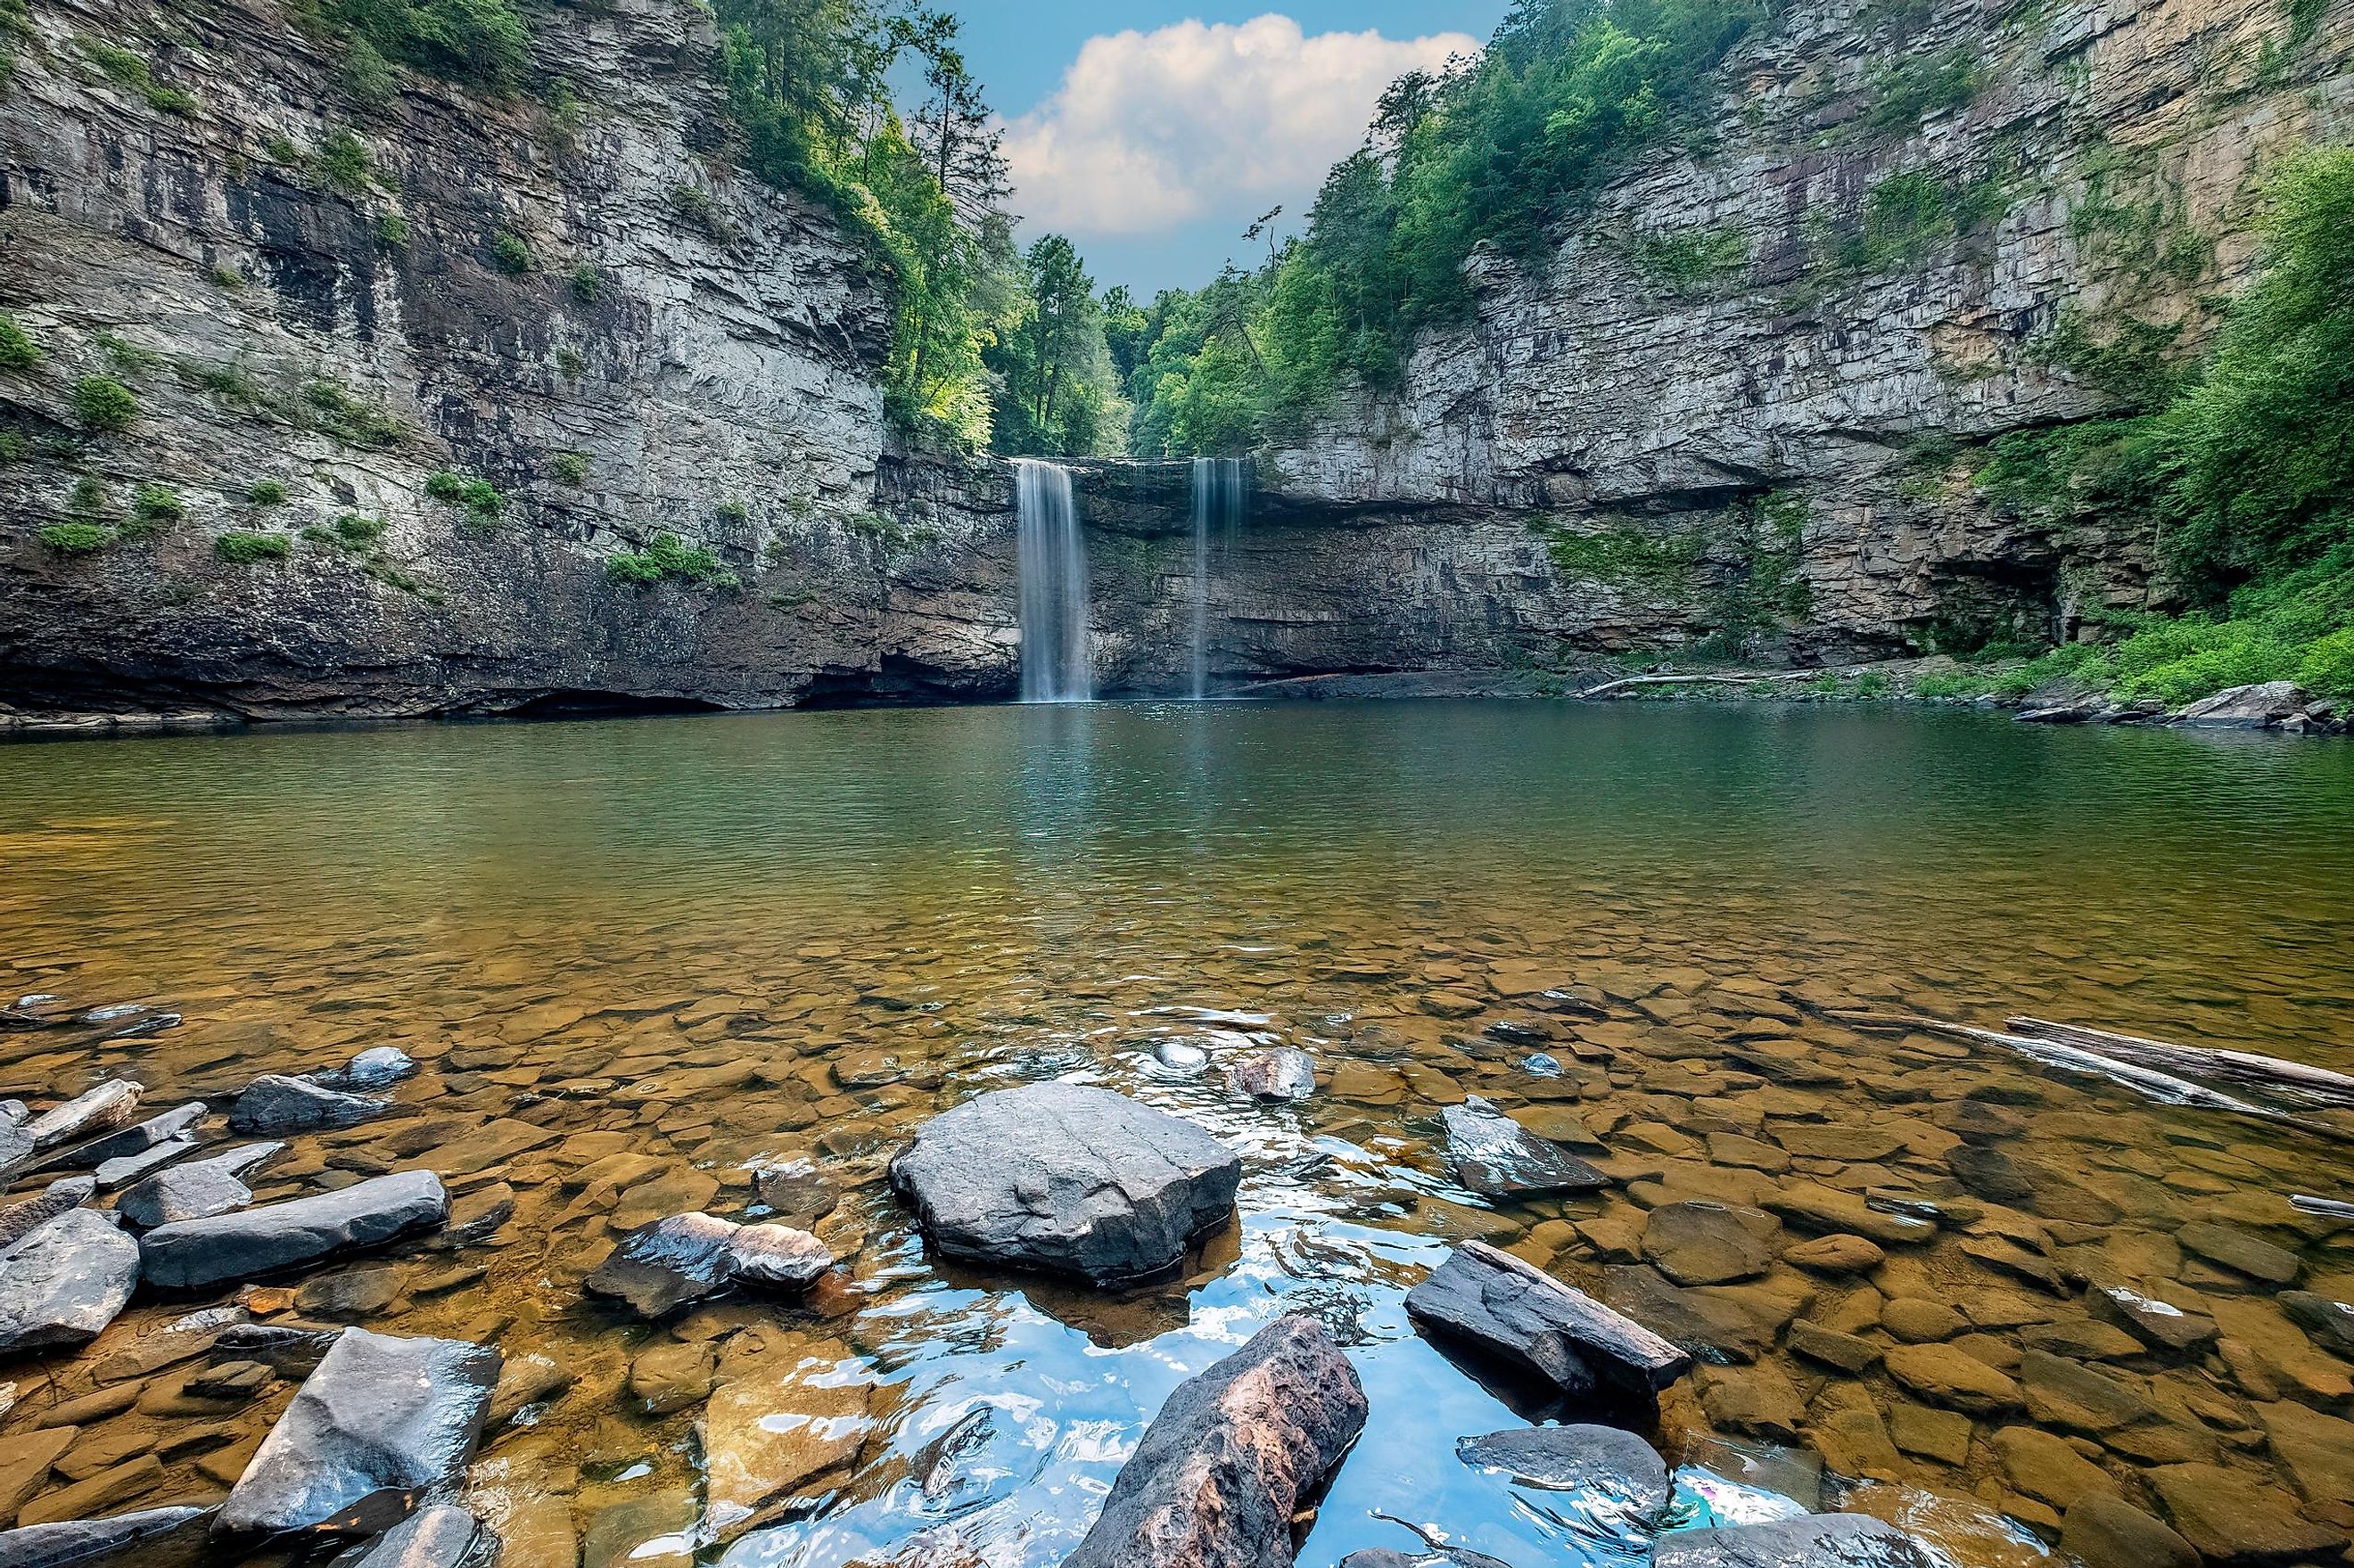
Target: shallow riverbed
{"points": [[641, 959]]}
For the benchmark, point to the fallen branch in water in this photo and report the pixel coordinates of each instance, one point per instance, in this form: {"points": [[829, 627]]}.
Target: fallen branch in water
{"points": [[1625, 682], [2239, 1066], [2163, 1087]]}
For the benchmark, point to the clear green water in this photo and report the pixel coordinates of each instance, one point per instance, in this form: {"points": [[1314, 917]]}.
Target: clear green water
{"points": [[573, 921]]}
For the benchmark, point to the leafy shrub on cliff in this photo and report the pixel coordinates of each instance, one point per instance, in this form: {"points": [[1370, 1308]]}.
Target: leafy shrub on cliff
{"points": [[266, 493], [242, 549], [484, 505], [665, 556], [153, 508], [343, 159], [511, 252], [102, 403], [350, 418], [570, 468], [1915, 89], [75, 538], [355, 531], [17, 349], [481, 41]]}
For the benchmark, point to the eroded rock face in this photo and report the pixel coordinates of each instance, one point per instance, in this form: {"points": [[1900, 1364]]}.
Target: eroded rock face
{"points": [[65, 1282], [1514, 1311], [192, 1255], [1067, 1179], [1231, 1456], [383, 1423]]}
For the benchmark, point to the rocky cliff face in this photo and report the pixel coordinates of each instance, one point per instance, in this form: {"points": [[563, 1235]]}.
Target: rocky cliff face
{"points": [[569, 295], [1750, 389], [1739, 408]]}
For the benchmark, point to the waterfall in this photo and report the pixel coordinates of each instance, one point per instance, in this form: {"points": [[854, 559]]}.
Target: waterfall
{"points": [[1057, 664], [1221, 488]]}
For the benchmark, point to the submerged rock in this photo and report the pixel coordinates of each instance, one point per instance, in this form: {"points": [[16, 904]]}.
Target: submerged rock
{"points": [[1234, 1454], [194, 1189], [1068, 1180], [1179, 1056], [779, 1421], [65, 1282], [1284, 1073], [377, 1068], [1817, 1540], [152, 1538], [1709, 1244], [1490, 1153], [1602, 1463], [799, 1192], [381, 1425], [275, 1103], [1515, 1311], [193, 1255], [443, 1536], [671, 1262]]}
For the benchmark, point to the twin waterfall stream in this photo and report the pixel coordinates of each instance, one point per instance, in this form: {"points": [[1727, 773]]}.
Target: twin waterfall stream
{"points": [[1057, 661]]}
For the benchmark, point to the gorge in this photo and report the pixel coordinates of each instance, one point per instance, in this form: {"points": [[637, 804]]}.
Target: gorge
{"points": [[462, 406]]}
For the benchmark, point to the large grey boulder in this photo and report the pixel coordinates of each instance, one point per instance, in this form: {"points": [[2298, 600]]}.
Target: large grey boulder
{"points": [[1235, 1452], [64, 1283], [1068, 1180], [274, 1104], [193, 1255], [1815, 1541], [382, 1424], [152, 1538], [442, 1536], [194, 1189], [1491, 1154], [2246, 707], [1519, 1314]]}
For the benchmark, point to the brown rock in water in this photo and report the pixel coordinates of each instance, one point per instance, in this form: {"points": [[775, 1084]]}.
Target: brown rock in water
{"points": [[2235, 1520], [2045, 1466], [1233, 1456], [778, 1420], [1837, 1254], [1710, 1244], [2104, 1531], [1944, 1375]]}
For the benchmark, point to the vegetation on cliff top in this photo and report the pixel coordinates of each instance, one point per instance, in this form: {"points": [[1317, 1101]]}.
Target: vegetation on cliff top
{"points": [[2245, 463]]}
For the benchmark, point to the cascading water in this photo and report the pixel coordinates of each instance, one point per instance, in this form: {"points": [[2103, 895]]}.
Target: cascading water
{"points": [[1221, 492], [1057, 665]]}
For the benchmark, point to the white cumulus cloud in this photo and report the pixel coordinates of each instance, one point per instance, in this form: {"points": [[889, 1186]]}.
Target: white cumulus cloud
{"points": [[1150, 131]]}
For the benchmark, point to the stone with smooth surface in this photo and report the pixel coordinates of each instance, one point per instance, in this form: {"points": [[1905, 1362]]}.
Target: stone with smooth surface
{"points": [[1602, 1464], [1495, 1156], [382, 1424], [194, 1189], [63, 1284], [1816, 1540], [193, 1255], [275, 1104], [150, 1538], [1067, 1179]]}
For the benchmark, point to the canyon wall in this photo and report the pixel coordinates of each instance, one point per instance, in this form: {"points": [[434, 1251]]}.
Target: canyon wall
{"points": [[569, 295], [1737, 410]]}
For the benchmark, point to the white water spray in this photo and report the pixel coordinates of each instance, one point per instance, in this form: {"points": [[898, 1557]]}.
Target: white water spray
{"points": [[1057, 666], [1221, 492]]}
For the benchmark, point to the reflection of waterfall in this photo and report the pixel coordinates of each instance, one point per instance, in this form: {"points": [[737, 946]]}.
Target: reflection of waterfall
{"points": [[1221, 489], [1057, 666]]}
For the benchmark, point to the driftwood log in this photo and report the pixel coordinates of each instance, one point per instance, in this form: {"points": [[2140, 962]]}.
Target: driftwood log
{"points": [[2315, 1084], [2164, 1088], [1629, 683]]}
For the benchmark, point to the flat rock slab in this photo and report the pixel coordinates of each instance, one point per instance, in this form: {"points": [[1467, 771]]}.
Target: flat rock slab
{"points": [[152, 1538], [1817, 1540], [275, 1104], [127, 1142], [1233, 1456], [194, 1189], [18, 1221], [1069, 1179], [64, 1283], [1523, 1315], [110, 1105], [1710, 1244], [1284, 1073], [2233, 1518], [195, 1254], [383, 1423], [1602, 1464], [1491, 1154]]}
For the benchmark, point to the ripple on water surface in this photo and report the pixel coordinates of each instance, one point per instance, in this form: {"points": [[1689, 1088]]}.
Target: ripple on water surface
{"points": [[642, 961]]}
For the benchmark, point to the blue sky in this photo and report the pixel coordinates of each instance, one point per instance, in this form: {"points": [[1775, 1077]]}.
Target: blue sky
{"points": [[1152, 134]]}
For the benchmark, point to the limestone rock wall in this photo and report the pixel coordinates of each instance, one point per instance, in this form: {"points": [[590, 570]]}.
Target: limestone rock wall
{"points": [[1747, 322], [305, 290]]}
